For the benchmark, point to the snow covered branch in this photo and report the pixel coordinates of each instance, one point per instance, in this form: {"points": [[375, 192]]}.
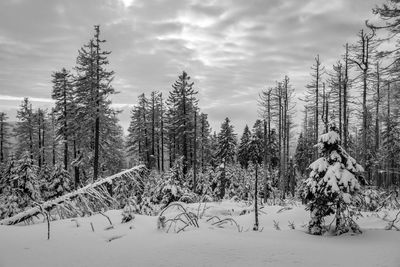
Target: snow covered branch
{"points": [[93, 190]]}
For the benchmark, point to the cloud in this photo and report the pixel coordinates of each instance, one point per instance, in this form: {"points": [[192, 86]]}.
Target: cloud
{"points": [[232, 49]]}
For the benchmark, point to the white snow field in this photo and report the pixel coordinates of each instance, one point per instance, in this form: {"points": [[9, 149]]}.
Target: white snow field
{"points": [[139, 243]]}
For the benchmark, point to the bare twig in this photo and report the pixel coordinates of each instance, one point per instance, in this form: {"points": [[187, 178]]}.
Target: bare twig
{"points": [[108, 218]]}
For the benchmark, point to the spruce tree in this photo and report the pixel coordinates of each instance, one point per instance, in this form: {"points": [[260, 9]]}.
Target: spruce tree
{"points": [[331, 185], [25, 129], [93, 88], [63, 94], [226, 142], [183, 104], [4, 137], [243, 150], [226, 153]]}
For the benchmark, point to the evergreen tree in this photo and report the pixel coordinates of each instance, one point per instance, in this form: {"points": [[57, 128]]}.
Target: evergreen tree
{"points": [[182, 103], [243, 150], [303, 154], [205, 142], [96, 117], [4, 137], [63, 94], [138, 139], [225, 154], [22, 187], [25, 129], [331, 184], [226, 143]]}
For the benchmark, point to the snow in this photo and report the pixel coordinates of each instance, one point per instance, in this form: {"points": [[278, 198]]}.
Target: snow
{"points": [[330, 137], [320, 165], [144, 245]]}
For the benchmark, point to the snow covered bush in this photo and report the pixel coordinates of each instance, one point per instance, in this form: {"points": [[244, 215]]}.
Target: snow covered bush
{"points": [[172, 186], [331, 185], [22, 187], [203, 186]]}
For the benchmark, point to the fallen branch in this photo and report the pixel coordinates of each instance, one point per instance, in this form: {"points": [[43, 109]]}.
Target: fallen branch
{"points": [[94, 190], [114, 237]]}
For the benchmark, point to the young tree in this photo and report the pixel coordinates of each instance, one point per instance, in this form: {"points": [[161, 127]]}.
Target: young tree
{"points": [[331, 184]]}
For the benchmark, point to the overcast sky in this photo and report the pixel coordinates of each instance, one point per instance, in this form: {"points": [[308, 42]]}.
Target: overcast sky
{"points": [[232, 49]]}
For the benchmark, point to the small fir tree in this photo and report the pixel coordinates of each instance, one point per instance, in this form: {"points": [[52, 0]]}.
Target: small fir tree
{"points": [[331, 185]]}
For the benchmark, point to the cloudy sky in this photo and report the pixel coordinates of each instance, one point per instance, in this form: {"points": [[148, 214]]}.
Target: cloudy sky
{"points": [[232, 49]]}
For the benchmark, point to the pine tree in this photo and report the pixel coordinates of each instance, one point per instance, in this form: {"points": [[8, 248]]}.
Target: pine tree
{"points": [[226, 142], [205, 143], [93, 87], [243, 150], [63, 94], [25, 129], [4, 137], [182, 103], [331, 184], [226, 152], [138, 140], [303, 154], [22, 188]]}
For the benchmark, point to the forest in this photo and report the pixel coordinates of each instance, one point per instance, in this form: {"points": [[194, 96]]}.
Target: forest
{"points": [[350, 108]]}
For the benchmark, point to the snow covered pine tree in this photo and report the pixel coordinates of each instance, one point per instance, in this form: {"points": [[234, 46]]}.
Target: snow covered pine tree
{"points": [[331, 185]]}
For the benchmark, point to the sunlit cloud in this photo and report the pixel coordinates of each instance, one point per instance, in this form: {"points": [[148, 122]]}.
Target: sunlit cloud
{"points": [[232, 49]]}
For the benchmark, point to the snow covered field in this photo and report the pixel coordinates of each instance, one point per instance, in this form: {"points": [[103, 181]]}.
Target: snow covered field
{"points": [[139, 243]]}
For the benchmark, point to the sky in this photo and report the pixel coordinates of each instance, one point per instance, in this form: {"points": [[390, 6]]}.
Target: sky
{"points": [[232, 49]]}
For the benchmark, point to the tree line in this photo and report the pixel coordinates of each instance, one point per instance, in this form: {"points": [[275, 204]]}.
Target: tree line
{"points": [[80, 140], [360, 94]]}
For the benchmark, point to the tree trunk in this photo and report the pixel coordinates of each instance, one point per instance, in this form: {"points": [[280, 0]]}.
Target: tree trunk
{"points": [[184, 137], [97, 115], [345, 87], [280, 136], [316, 134], [195, 152], [255, 228], [340, 100], [76, 168], [39, 140], [153, 117], [162, 134]]}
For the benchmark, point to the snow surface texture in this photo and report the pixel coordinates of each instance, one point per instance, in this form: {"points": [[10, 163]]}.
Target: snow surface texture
{"points": [[139, 243]]}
